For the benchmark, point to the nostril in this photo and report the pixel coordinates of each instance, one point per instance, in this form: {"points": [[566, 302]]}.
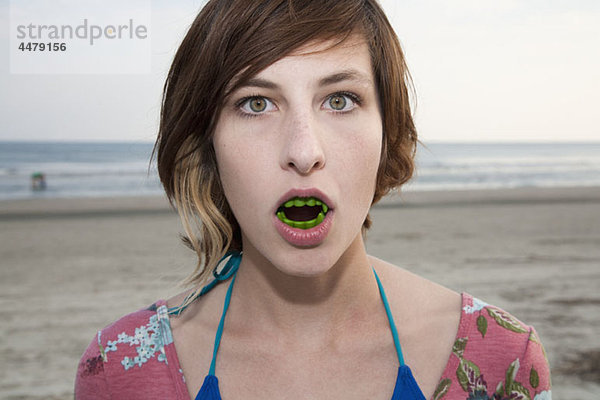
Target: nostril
{"points": [[305, 168], [302, 158]]}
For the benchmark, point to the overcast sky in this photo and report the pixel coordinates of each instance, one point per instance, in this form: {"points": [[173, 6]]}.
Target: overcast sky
{"points": [[491, 71]]}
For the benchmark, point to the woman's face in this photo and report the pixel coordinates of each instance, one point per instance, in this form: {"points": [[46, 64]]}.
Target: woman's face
{"points": [[298, 149]]}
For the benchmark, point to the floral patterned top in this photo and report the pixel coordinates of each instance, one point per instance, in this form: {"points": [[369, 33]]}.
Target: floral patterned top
{"points": [[494, 357]]}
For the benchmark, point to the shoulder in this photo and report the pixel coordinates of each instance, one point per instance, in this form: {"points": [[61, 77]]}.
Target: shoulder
{"points": [[130, 357], [137, 339], [495, 353], [479, 348], [413, 297], [427, 317]]}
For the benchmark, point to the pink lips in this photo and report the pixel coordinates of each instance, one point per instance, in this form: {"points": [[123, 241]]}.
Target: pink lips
{"points": [[304, 237]]}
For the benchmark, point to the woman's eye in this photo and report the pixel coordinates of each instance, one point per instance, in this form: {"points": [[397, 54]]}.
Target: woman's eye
{"points": [[256, 105], [340, 102]]}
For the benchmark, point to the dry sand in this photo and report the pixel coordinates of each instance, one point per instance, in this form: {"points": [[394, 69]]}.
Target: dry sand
{"points": [[71, 266]]}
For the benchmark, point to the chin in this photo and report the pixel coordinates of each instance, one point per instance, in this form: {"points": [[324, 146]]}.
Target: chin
{"points": [[296, 261], [305, 262], [303, 271]]}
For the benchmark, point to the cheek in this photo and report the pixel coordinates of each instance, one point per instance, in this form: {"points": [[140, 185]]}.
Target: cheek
{"points": [[361, 155], [238, 145], [240, 169], [230, 163]]}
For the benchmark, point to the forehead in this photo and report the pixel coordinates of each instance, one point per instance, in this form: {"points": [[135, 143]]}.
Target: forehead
{"points": [[352, 45], [319, 59], [324, 56]]}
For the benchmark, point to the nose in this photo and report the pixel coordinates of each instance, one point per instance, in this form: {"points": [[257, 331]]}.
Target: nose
{"points": [[303, 148]]}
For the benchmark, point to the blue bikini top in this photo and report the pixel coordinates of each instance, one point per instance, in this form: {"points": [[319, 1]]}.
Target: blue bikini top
{"points": [[406, 387]]}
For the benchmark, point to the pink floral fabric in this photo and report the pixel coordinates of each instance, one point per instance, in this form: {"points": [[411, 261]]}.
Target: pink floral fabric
{"points": [[494, 357]]}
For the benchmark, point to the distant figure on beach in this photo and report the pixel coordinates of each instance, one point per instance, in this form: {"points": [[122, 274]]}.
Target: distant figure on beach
{"points": [[282, 123], [38, 181]]}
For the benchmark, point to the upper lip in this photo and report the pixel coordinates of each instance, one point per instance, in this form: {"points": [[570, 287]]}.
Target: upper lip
{"points": [[310, 192]]}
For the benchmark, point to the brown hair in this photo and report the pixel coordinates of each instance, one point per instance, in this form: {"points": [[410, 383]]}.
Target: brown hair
{"points": [[239, 38]]}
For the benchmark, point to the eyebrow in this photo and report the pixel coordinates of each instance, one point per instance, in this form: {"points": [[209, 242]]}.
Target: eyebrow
{"points": [[346, 75], [260, 83]]}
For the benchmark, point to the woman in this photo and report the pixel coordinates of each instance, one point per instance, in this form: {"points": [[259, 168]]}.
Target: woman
{"points": [[283, 121]]}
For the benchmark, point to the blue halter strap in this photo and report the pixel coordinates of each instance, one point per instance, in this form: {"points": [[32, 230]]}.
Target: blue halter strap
{"points": [[390, 317], [228, 299], [225, 273], [230, 270]]}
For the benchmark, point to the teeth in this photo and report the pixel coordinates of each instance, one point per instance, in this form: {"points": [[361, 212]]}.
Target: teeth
{"points": [[301, 224], [320, 218], [301, 202]]}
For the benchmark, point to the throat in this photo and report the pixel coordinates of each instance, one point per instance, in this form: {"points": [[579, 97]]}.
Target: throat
{"points": [[296, 305]]}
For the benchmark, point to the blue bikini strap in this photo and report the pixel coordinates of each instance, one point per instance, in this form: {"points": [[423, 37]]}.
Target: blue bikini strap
{"points": [[221, 324], [225, 273], [388, 312], [231, 269], [390, 319]]}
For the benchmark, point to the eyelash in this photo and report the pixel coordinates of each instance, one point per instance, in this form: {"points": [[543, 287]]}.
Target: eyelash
{"points": [[238, 105], [356, 99], [352, 96]]}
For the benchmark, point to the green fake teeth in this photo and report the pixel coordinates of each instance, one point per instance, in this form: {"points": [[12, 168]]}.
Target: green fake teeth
{"points": [[301, 202]]}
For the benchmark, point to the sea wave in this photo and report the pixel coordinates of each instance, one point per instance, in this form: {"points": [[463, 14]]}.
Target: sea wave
{"points": [[122, 169]]}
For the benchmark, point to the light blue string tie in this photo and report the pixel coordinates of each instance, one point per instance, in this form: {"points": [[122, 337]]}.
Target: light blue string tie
{"points": [[225, 273], [390, 319]]}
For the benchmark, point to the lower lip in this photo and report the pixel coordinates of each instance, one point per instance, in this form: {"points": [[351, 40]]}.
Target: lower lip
{"points": [[304, 237]]}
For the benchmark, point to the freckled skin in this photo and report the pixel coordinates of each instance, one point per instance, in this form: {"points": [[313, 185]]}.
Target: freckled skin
{"points": [[304, 315], [307, 135]]}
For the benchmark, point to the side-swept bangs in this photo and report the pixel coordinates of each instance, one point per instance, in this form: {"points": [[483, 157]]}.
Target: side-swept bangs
{"points": [[228, 43]]}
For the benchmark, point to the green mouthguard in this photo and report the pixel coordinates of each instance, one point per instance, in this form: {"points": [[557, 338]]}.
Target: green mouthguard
{"points": [[301, 202]]}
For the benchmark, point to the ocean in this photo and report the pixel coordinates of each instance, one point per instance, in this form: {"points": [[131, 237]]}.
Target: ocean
{"points": [[123, 169]]}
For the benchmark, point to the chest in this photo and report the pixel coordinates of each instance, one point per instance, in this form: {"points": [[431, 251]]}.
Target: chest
{"points": [[259, 370], [260, 374]]}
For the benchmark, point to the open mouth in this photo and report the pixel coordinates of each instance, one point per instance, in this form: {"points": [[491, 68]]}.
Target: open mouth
{"points": [[302, 212]]}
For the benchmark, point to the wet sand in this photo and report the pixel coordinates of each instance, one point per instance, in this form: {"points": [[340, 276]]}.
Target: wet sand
{"points": [[71, 266]]}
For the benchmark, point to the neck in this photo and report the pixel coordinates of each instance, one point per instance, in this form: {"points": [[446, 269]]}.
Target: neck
{"points": [[317, 307]]}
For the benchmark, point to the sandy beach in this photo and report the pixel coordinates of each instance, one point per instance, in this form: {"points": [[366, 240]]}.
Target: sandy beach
{"points": [[71, 266]]}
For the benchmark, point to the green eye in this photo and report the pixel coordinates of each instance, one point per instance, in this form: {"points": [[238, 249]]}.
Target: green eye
{"points": [[337, 102], [258, 104]]}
